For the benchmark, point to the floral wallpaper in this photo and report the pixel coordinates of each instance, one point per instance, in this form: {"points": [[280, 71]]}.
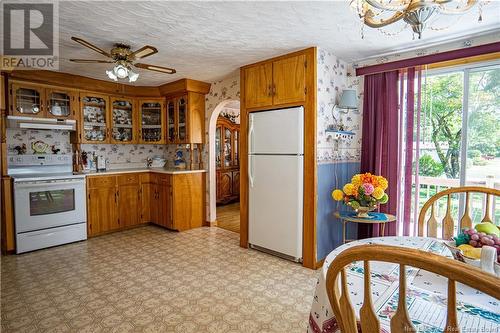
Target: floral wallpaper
{"points": [[333, 78], [56, 139]]}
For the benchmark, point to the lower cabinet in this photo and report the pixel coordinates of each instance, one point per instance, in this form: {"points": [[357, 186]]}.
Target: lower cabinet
{"points": [[228, 186], [172, 201]]}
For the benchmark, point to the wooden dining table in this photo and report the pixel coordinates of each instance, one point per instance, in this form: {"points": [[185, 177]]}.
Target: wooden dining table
{"points": [[426, 293]]}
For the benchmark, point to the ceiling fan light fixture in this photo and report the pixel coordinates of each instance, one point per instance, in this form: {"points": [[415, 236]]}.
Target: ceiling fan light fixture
{"points": [[112, 75], [120, 71], [132, 77]]}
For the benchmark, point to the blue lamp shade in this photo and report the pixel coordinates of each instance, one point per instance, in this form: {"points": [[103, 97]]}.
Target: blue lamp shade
{"points": [[349, 99]]}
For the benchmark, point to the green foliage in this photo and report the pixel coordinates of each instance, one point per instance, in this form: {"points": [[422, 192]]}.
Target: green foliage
{"points": [[429, 167], [442, 117], [479, 161]]}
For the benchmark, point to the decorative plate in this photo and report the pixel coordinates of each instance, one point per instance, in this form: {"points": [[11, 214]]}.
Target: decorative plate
{"points": [[39, 147]]}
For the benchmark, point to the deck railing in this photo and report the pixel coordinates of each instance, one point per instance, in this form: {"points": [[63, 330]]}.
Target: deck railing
{"points": [[428, 186]]}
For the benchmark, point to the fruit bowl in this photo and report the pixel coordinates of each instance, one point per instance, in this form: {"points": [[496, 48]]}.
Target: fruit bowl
{"points": [[459, 255]]}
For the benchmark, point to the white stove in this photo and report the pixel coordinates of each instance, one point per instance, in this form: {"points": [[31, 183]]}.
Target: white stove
{"points": [[49, 201]]}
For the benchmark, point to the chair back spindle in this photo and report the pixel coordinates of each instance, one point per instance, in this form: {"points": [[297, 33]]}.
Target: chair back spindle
{"points": [[428, 227], [453, 270]]}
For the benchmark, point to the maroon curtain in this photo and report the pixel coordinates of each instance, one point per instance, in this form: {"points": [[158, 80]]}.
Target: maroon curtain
{"points": [[381, 139]]}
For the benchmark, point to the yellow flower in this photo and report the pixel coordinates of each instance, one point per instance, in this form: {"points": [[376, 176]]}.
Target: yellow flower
{"points": [[382, 182], [337, 195], [348, 189], [356, 180], [378, 193]]}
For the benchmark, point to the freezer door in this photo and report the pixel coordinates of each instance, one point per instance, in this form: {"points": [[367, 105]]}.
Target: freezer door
{"points": [[276, 132], [275, 203]]}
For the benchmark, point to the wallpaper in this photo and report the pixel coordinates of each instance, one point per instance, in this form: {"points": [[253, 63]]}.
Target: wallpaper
{"points": [[333, 78], [56, 139]]}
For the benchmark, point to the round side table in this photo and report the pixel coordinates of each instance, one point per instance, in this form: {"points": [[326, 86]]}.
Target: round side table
{"points": [[354, 219]]}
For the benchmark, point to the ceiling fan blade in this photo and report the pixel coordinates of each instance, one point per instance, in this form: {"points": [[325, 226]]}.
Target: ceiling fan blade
{"points": [[156, 68], [87, 61], [144, 52], [91, 46]]}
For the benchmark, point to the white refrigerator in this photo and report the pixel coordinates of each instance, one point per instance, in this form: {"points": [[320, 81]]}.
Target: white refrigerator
{"points": [[275, 179]]}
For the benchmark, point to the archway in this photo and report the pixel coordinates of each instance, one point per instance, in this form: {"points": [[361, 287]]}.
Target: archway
{"points": [[212, 182]]}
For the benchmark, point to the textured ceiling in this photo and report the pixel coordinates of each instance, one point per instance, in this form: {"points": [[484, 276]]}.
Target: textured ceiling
{"points": [[209, 40]]}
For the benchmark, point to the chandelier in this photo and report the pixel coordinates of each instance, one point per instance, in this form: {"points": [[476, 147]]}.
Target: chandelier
{"points": [[415, 13], [122, 70]]}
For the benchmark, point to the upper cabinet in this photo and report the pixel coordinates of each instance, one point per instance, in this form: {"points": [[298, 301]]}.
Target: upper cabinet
{"points": [[277, 82], [42, 101], [95, 118], [124, 120], [185, 118], [259, 85], [151, 121]]}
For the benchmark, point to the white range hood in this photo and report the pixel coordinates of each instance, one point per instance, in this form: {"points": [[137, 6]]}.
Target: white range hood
{"points": [[41, 123]]}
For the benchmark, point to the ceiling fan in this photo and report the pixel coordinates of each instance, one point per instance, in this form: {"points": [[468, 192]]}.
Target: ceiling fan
{"points": [[124, 59]]}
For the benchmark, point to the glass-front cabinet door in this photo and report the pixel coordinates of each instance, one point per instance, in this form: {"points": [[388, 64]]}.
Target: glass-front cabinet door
{"points": [[151, 121], [60, 103], [94, 122], [236, 160], [27, 100], [182, 119], [123, 121], [171, 130], [228, 147], [218, 150]]}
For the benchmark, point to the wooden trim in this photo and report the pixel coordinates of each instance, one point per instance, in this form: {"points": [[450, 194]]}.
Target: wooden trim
{"points": [[182, 86], [8, 236], [465, 61], [320, 263], [210, 224], [288, 55], [310, 172], [84, 83]]}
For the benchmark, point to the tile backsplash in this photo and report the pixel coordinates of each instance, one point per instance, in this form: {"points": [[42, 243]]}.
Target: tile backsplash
{"points": [[117, 156], [58, 139]]}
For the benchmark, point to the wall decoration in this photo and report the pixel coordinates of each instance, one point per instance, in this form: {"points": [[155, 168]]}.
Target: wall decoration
{"points": [[57, 140]]}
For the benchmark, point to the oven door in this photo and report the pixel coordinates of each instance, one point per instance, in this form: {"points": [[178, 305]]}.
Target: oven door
{"points": [[49, 203]]}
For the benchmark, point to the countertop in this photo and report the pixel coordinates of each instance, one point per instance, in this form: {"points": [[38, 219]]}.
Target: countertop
{"points": [[169, 171]]}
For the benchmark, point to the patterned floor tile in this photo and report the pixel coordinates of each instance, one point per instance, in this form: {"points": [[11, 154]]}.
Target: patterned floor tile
{"points": [[149, 279]]}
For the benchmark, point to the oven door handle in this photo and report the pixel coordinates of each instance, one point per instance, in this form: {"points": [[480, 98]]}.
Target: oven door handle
{"points": [[45, 184]]}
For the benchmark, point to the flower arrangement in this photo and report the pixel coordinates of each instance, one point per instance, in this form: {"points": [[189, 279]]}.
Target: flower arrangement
{"points": [[364, 193]]}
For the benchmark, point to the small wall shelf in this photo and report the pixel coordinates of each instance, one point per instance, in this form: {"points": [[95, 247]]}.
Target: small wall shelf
{"points": [[340, 134]]}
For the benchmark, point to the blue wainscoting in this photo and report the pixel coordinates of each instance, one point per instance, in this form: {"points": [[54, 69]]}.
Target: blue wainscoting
{"points": [[329, 228]]}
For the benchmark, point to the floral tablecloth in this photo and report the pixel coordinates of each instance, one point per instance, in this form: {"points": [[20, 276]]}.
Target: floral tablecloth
{"points": [[426, 295]]}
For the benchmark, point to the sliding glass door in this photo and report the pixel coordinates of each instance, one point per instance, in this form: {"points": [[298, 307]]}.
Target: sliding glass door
{"points": [[457, 137]]}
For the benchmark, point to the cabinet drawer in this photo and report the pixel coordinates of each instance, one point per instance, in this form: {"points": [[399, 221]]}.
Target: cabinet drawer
{"points": [[102, 181], [165, 179], [131, 178], [145, 177]]}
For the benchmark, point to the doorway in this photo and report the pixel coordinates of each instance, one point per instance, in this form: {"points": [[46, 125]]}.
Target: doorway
{"points": [[225, 171]]}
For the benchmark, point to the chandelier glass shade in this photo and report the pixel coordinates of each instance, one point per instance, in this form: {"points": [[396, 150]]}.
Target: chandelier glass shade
{"points": [[415, 13], [122, 71]]}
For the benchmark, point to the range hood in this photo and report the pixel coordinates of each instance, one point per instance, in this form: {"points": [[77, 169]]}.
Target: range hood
{"points": [[41, 123]]}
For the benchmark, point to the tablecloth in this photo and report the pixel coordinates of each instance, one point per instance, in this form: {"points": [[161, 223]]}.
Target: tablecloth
{"points": [[426, 294]]}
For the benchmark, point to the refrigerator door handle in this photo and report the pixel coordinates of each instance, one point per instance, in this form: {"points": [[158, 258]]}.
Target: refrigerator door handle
{"points": [[250, 133], [250, 170]]}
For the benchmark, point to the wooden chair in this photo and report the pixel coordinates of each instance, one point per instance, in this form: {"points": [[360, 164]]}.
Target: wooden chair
{"points": [[448, 224], [453, 270]]}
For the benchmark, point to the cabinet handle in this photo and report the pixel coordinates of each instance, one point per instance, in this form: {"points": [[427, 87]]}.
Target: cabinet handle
{"points": [[270, 90], [274, 89], [115, 197]]}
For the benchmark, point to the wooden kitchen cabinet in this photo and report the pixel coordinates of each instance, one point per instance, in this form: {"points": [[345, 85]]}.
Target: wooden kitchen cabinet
{"points": [[289, 80], [129, 200], [101, 205], [259, 85], [274, 83], [165, 197], [94, 118], [123, 120], [152, 121], [35, 100], [186, 118]]}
